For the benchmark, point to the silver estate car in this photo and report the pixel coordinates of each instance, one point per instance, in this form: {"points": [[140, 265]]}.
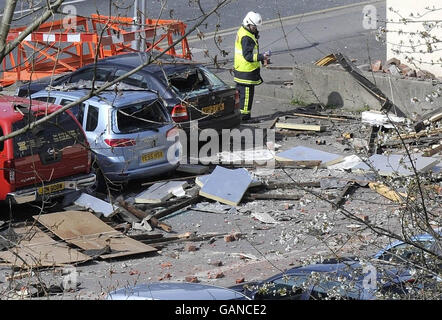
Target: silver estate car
{"points": [[175, 291], [130, 132]]}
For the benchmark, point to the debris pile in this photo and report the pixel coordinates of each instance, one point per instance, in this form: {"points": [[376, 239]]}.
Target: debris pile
{"points": [[398, 69]]}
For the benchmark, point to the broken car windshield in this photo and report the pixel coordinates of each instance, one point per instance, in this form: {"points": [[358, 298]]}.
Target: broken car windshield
{"points": [[139, 117]]}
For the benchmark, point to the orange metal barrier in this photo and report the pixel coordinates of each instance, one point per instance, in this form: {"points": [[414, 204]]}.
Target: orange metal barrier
{"points": [[57, 47]]}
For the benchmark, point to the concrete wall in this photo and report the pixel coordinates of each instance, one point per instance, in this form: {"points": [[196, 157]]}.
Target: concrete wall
{"points": [[334, 86], [401, 41]]}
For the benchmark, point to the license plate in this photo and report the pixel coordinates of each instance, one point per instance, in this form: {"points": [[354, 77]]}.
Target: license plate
{"points": [[51, 188], [152, 156], [213, 109]]}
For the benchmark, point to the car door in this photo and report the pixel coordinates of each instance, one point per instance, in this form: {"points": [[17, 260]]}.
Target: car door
{"points": [[51, 150], [91, 124], [77, 110], [88, 116]]}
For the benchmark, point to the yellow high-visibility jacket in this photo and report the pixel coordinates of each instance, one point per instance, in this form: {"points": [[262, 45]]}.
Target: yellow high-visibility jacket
{"points": [[247, 58]]}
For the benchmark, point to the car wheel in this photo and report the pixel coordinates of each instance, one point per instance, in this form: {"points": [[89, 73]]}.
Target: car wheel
{"points": [[100, 181]]}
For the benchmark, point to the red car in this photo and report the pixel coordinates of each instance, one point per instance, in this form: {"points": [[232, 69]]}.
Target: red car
{"points": [[47, 161]]}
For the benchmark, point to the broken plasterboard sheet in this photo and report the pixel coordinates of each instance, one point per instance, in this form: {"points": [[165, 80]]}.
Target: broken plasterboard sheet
{"points": [[97, 205], [437, 168], [86, 231], [37, 249], [226, 185], [264, 217], [201, 180], [301, 153], [348, 163], [377, 118], [212, 207], [258, 156], [161, 191], [399, 164]]}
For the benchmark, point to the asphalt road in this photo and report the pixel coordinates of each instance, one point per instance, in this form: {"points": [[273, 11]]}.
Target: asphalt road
{"points": [[296, 32], [229, 16], [304, 38]]}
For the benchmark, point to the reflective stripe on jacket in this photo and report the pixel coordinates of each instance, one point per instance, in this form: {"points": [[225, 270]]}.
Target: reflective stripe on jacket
{"points": [[247, 71]]}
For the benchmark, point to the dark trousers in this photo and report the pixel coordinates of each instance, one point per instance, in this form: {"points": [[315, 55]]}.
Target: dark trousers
{"points": [[246, 93]]}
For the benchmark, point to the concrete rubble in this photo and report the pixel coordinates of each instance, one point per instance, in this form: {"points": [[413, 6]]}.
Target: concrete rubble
{"points": [[217, 222]]}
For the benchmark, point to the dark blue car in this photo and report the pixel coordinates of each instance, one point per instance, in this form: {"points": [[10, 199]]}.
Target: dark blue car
{"points": [[190, 91], [345, 280], [401, 252]]}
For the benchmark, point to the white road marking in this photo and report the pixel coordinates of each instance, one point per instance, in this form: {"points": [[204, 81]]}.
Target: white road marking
{"points": [[233, 30]]}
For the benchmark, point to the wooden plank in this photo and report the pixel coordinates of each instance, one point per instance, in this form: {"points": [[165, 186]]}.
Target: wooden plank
{"points": [[314, 116], [428, 118], [343, 197], [273, 123], [388, 193], [191, 238], [272, 196], [37, 249], [159, 192], [433, 151], [289, 133], [146, 236], [418, 134], [142, 215], [177, 207], [292, 185], [296, 126], [226, 186], [372, 141], [86, 231]]}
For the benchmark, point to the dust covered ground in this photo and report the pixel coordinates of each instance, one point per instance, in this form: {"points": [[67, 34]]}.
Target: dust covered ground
{"points": [[303, 231]]}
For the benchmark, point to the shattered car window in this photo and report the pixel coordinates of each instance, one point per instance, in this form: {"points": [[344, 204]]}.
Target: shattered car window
{"points": [[193, 81], [139, 117]]}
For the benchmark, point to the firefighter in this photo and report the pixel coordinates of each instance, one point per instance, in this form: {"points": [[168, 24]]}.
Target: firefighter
{"points": [[247, 62]]}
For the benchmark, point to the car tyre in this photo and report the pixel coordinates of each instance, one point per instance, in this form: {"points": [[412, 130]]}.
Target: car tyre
{"points": [[100, 181]]}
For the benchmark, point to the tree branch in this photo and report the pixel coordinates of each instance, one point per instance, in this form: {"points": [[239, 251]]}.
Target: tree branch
{"points": [[32, 27]]}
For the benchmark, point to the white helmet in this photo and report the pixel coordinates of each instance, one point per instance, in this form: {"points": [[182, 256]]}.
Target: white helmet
{"points": [[252, 18]]}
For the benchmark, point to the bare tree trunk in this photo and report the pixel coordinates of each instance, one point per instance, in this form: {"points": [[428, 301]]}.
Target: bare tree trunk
{"points": [[6, 48], [6, 24]]}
